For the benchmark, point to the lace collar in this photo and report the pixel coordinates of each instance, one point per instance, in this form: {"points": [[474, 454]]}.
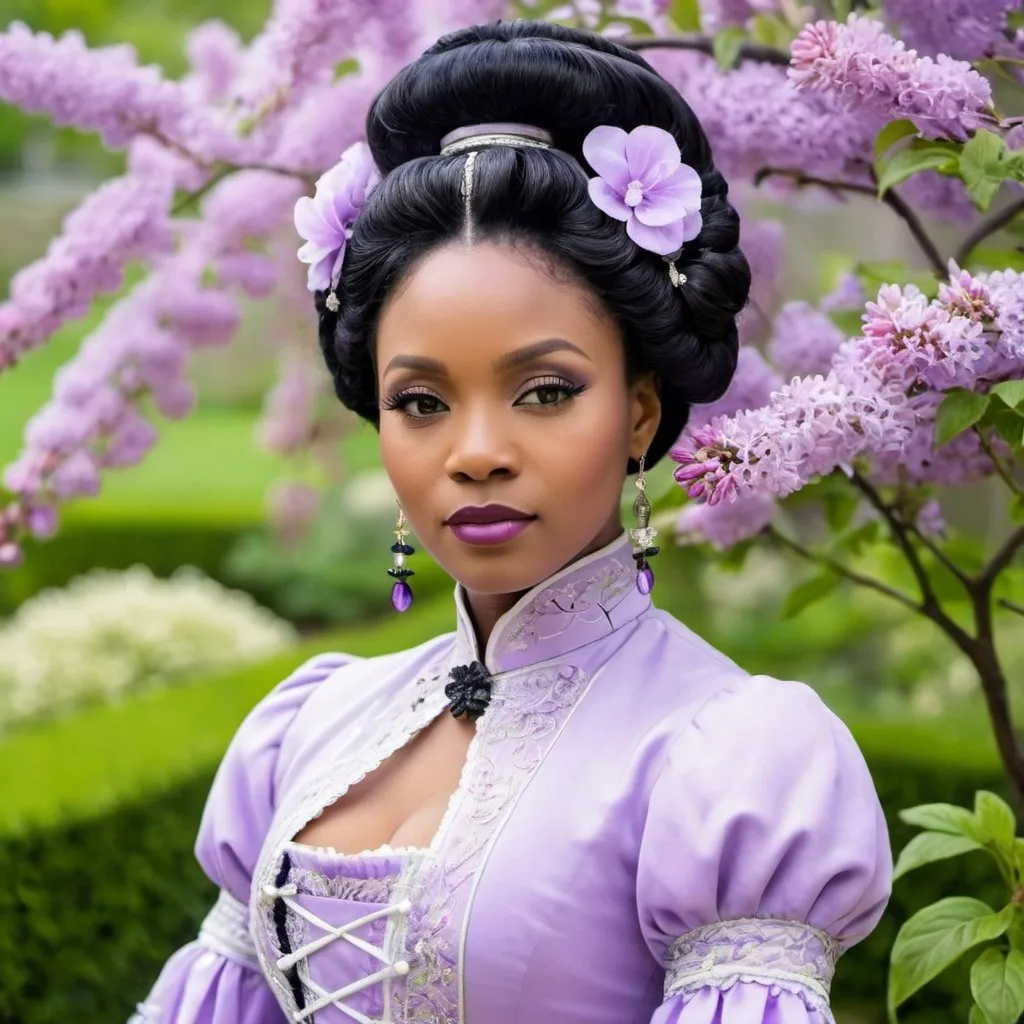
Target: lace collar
{"points": [[581, 603]]}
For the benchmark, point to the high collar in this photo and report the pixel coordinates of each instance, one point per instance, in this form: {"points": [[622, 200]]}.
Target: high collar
{"points": [[587, 600]]}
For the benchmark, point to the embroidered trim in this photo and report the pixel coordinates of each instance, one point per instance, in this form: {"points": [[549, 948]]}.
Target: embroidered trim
{"points": [[790, 955], [341, 887], [528, 712], [225, 930]]}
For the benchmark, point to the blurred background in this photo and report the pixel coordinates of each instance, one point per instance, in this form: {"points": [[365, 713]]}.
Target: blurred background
{"points": [[133, 642]]}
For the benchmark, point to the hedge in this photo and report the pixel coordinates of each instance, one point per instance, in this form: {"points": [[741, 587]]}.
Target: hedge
{"points": [[100, 811]]}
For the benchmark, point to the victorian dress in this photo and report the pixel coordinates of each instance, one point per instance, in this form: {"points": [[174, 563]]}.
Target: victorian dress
{"points": [[643, 833]]}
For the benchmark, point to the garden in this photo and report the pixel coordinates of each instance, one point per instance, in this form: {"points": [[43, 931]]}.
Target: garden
{"points": [[187, 513]]}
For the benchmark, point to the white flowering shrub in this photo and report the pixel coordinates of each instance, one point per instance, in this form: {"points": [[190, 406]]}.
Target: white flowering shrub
{"points": [[107, 633]]}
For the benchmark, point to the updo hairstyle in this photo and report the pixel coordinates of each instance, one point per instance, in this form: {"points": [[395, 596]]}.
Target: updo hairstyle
{"points": [[567, 82]]}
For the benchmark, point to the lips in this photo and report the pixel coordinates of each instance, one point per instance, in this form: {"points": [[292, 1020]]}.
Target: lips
{"points": [[486, 514]]}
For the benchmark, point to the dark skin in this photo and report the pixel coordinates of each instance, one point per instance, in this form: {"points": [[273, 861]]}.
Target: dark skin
{"points": [[477, 428], [482, 427]]}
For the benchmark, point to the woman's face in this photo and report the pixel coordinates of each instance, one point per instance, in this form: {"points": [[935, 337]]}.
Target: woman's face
{"points": [[502, 386]]}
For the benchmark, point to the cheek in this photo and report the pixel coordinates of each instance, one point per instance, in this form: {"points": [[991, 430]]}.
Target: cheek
{"points": [[588, 450]]}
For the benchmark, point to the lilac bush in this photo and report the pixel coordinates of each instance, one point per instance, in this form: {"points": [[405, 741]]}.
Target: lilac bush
{"points": [[868, 403]]}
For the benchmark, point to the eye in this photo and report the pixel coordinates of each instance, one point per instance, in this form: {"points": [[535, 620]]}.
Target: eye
{"points": [[417, 405], [549, 392]]}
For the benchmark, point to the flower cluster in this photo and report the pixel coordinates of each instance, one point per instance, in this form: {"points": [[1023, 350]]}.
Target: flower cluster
{"points": [[865, 68], [964, 29], [877, 399], [125, 220], [108, 633]]}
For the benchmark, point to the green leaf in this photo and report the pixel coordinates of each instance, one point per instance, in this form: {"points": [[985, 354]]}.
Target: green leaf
{"points": [[806, 593], [935, 937], [983, 166], [995, 816], [891, 134], [839, 504], [849, 321], [976, 1016], [994, 257], [727, 46], [1009, 422], [929, 847], [874, 275], [997, 984], [958, 411], [907, 162], [957, 821], [1017, 510], [771, 31], [685, 15], [1011, 392]]}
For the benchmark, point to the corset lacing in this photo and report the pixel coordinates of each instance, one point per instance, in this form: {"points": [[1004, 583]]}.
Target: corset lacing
{"points": [[332, 934]]}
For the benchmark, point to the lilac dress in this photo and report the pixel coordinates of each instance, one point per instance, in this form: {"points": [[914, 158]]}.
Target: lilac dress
{"points": [[642, 834]]}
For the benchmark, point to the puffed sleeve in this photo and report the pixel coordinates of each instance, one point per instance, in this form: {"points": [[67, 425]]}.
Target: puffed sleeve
{"points": [[216, 979], [765, 855]]}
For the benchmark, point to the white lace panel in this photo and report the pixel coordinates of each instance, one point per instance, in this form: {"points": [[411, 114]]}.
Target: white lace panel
{"points": [[788, 956], [225, 930]]}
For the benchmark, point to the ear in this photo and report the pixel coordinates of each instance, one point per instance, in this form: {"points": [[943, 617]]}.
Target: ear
{"points": [[644, 412]]}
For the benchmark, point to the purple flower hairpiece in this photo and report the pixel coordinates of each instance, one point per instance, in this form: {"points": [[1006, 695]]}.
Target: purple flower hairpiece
{"points": [[325, 220], [643, 181]]}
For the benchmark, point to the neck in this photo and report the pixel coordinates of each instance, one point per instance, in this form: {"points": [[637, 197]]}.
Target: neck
{"points": [[486, 609]]}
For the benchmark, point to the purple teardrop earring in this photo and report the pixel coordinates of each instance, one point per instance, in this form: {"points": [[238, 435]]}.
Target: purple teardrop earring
{"points": [[401, 592], [643, 534]]}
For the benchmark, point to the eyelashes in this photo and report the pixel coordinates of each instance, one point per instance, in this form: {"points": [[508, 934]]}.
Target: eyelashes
{"points": [[420, 403]]}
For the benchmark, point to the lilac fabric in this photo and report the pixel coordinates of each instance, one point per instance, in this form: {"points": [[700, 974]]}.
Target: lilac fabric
{"points": [[643, 834]]}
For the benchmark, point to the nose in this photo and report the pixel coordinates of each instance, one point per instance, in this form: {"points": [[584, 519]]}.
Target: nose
{"points": [[483, 447]]}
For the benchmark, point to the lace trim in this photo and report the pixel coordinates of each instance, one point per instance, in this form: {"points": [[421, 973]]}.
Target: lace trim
{"points": [[358, 890], [415, 707], [225, 930], [790, 955]]}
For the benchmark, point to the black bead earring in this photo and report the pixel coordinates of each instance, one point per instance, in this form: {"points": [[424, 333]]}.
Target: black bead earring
{"points": [[643, 534], [401, 592]]}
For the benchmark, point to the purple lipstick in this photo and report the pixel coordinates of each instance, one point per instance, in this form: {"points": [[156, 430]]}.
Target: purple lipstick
{"points": [[490, 524]]}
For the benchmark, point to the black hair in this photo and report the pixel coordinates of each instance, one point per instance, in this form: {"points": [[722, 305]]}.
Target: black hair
{"points": [[566, 81]]}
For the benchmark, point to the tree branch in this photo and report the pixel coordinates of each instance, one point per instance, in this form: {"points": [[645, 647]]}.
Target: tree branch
{"points": [[1010, 606], [941, 555], [928, 247], [989, 226], [930, 606], [1004, 473], [891, 199], [1001, 559], [841, 570], [706, 44]]}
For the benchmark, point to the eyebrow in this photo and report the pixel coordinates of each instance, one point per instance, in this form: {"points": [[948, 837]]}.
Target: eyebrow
{"points": [[509, 361]]}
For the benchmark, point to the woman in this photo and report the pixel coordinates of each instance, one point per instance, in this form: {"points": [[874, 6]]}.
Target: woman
{"points": [[571, 809]]}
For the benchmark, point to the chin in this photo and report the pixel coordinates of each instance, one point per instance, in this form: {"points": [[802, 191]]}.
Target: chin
{"points": [[501, 568]]}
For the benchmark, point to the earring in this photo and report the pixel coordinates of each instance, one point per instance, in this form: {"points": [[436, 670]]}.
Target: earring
{"points": [[401, 592], [643, 535]]}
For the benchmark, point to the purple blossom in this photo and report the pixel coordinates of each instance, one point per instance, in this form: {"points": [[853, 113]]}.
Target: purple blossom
{"points": [[763, 243], [756, 118], [848, 293], [124, 220], [718, 14], [642, 180], [325, 220], [751, 387], [878, 400], [105, 91], [963, 29], [215, 52], [804, 340], [289, 409], [726, 523], [864, 67]]}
